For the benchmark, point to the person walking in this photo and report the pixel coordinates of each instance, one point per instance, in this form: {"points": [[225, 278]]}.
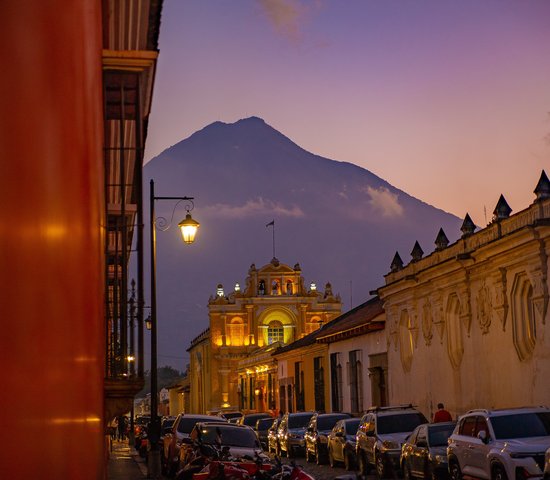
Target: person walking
{"points": [[122, 424], [442, 415]]}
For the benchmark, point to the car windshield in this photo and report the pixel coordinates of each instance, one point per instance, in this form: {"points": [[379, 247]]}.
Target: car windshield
{"points": [[352, 426], [168, 423], [251, 420], [299, 421], [228, 436], [264, 423], [521, 425], [399, 423], [229, 415], [186, 424], [439, 434], [326, 423]]}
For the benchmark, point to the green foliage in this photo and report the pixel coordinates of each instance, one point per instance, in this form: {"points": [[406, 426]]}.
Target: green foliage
{"points": [[165, 376]]}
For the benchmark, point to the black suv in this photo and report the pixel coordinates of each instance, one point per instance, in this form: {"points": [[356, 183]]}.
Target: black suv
{"points": [[381, 432]]}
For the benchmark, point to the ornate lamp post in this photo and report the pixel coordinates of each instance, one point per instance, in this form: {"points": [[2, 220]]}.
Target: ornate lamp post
{"points": [[188, 228]]}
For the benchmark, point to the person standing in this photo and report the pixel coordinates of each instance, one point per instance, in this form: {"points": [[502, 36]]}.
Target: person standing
{"points": [[442, 415]]}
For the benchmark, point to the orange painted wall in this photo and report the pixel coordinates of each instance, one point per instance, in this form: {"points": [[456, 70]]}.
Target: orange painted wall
{"points": [[51, 260]]}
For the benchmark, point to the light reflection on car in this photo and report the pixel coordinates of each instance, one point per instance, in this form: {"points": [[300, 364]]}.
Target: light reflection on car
{"points": [[424, 452], [341, 443]]}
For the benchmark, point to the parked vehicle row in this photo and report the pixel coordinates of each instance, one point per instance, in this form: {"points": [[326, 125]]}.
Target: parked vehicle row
{"points": [[506, 444]]}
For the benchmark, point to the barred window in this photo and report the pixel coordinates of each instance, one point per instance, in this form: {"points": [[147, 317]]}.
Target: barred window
{"points": [[275, 332]]}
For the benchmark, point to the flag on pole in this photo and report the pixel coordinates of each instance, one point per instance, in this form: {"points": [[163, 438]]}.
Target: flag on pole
{"points": [[272, 223]]}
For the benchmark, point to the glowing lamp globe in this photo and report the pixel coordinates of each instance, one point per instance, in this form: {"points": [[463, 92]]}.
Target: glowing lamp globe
{"points": [[188, 228]]}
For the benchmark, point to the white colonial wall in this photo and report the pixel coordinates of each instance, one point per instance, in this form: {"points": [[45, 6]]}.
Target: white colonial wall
{"points": [[468, 325], [369, 344]]}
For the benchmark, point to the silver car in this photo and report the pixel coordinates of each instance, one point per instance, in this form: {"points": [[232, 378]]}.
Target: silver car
{"points": [[291, 432]]}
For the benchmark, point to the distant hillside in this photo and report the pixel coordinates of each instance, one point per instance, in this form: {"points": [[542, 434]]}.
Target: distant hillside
{"points": [[342, 223]]}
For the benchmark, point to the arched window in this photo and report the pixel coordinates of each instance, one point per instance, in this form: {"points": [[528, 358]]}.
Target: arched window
{"points": [[275, 287], [275, 332], [455, 345], [405, 341], [312, 324], [523, 320], [261, 288], [289, 289], [235, 332]]}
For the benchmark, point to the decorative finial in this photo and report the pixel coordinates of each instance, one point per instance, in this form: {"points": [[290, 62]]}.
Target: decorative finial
{"points": [[468, 226], [396, 263], [502, 210], [542, 190], [441, 240], [417, 252], [275, 262]]}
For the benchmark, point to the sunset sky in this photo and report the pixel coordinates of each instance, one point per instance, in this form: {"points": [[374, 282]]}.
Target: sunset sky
{"points": [[447, 100]]}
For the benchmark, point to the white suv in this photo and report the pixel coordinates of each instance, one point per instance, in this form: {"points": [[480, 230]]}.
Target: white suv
{"points": [[500, 444]]}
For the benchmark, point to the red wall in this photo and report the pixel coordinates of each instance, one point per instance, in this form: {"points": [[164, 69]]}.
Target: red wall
{"points": [[51, 261]]}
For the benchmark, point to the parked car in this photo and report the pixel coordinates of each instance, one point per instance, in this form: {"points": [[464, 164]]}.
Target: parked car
{"points": [[424, 452], [341, 443], [262, 429], [166, 425], [500, 444], [272, 437], [381, 432], [316, 433], [250, 419], [241, 440], [547, 465], [173, 440], [291, 432]]}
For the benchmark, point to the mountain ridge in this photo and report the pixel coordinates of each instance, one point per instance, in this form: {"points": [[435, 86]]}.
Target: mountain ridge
{"points": [[340, 221]]}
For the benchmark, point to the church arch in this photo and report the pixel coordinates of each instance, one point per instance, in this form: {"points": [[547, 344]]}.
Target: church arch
{"points": [[235, 332], [276, 318]]}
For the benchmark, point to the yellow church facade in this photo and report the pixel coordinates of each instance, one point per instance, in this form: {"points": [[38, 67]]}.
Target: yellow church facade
{"points": [[231, 365]]}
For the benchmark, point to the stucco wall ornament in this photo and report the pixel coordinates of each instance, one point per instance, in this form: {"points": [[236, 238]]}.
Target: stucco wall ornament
{"points": [[539, 280], [392, 321], [484, 307], [465, 306], [499, 299], [427, 322], [413, 322], [438, 317]]}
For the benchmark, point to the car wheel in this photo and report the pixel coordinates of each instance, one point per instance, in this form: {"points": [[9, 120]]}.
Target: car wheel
{"points": [[318, 456], [498, 473], [331, 461], [163, 466], [349, 463], [380, 465], [406, 471], [454, 471], [363, 464], [289, 452]]}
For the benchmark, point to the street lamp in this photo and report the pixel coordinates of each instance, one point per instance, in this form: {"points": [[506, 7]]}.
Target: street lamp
{"points": [[188, 228]]}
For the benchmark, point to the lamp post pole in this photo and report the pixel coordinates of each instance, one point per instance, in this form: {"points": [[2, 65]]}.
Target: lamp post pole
{"points": [[188, 237]]}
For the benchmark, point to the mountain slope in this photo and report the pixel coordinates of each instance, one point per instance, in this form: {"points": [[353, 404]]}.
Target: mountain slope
{"points": [[342, 223]]}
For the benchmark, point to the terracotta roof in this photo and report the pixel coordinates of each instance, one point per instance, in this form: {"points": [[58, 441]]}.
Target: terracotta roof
{"points": [[357, 321], [354, 322]]}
